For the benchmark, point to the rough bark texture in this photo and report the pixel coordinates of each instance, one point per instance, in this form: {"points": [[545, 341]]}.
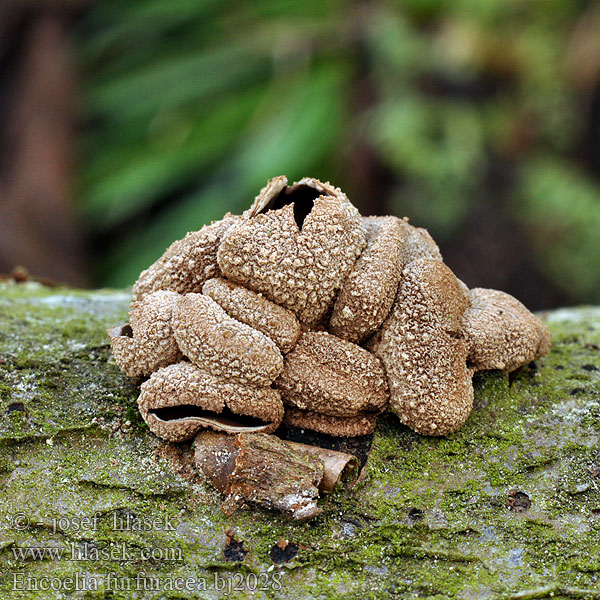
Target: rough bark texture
{"points": [[508, 507]]}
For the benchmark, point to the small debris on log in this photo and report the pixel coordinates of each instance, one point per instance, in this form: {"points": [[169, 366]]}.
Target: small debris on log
{"points": [[263, 470], [517, 501], [284, 551], [234, 550]]}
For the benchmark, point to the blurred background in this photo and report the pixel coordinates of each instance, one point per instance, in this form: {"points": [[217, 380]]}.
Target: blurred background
{"points": [[126, 123]]}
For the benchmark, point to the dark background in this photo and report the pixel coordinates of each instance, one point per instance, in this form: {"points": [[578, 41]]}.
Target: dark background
{"points": [[125, 124]]}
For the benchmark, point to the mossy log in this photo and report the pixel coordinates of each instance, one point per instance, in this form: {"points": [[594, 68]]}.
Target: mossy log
{"points": [[92, 505]]}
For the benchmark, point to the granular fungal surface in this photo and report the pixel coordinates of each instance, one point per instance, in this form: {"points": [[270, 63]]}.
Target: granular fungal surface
{"points": [[337, 316]]}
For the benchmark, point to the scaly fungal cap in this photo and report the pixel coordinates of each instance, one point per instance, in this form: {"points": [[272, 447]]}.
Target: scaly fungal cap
{"points": [[423, 354], [363, 424], [341, 315], [187, 263], [417, 243]]}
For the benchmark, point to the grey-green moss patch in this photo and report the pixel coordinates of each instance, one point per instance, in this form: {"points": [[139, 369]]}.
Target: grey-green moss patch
{"points": [[429, 519]]}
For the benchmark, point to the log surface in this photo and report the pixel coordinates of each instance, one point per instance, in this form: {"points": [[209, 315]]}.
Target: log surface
{"points": [[92, 504]]}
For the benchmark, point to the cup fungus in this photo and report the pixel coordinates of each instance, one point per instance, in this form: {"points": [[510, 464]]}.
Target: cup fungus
{"points": [[295, 244], [424, 356], [255, 310], [225, 347], [180, 400], [301, 299], [501, 333], [368, 292], [337, 426], [334, 377], [417, 244]]}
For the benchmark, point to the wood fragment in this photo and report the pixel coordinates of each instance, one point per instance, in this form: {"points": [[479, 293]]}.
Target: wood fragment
{"points": [[273, 473], [337, 466]]}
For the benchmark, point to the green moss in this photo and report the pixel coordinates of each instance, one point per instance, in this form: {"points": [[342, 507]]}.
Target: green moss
{"points": [[428, 519]]}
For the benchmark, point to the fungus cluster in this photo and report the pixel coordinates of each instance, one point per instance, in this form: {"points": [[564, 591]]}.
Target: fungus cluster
{"points": [[302, 311]]}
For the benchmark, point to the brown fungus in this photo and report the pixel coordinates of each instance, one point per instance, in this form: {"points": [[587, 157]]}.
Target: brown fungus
{"points": [[424, 356], [501, 333], [255, 310], [187, 263], [216, 342], [180, 400], [296, 244], [362, 424], [146, 343], [302, 259], [417, 243], [368, 292], [331, 376]]}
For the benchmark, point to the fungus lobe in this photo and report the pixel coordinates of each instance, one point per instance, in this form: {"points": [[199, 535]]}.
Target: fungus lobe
{"points": [[146, 343], [331, 376], [253, 309], [368, 292], [296, 260], [180, 400], [227, 348], [501, 333], [425, 358]]}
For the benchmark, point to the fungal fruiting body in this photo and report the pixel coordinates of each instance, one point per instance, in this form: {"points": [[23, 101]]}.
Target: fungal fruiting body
{"points": [[368, 292], [330, 377], [295, 245], [302, 311], [146, 343], [187, 263], [255, 310], [222, 345], [501, 333], [424, 356], [180, 400]]}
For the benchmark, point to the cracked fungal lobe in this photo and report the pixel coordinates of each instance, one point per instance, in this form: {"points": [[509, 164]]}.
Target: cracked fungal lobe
{"points": [[296, 244], [225, 347], [501, 333], [180, 400], [146, 343]]}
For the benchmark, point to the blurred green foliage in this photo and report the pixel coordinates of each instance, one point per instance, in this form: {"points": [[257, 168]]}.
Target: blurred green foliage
{"points": [[191, 106]]}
